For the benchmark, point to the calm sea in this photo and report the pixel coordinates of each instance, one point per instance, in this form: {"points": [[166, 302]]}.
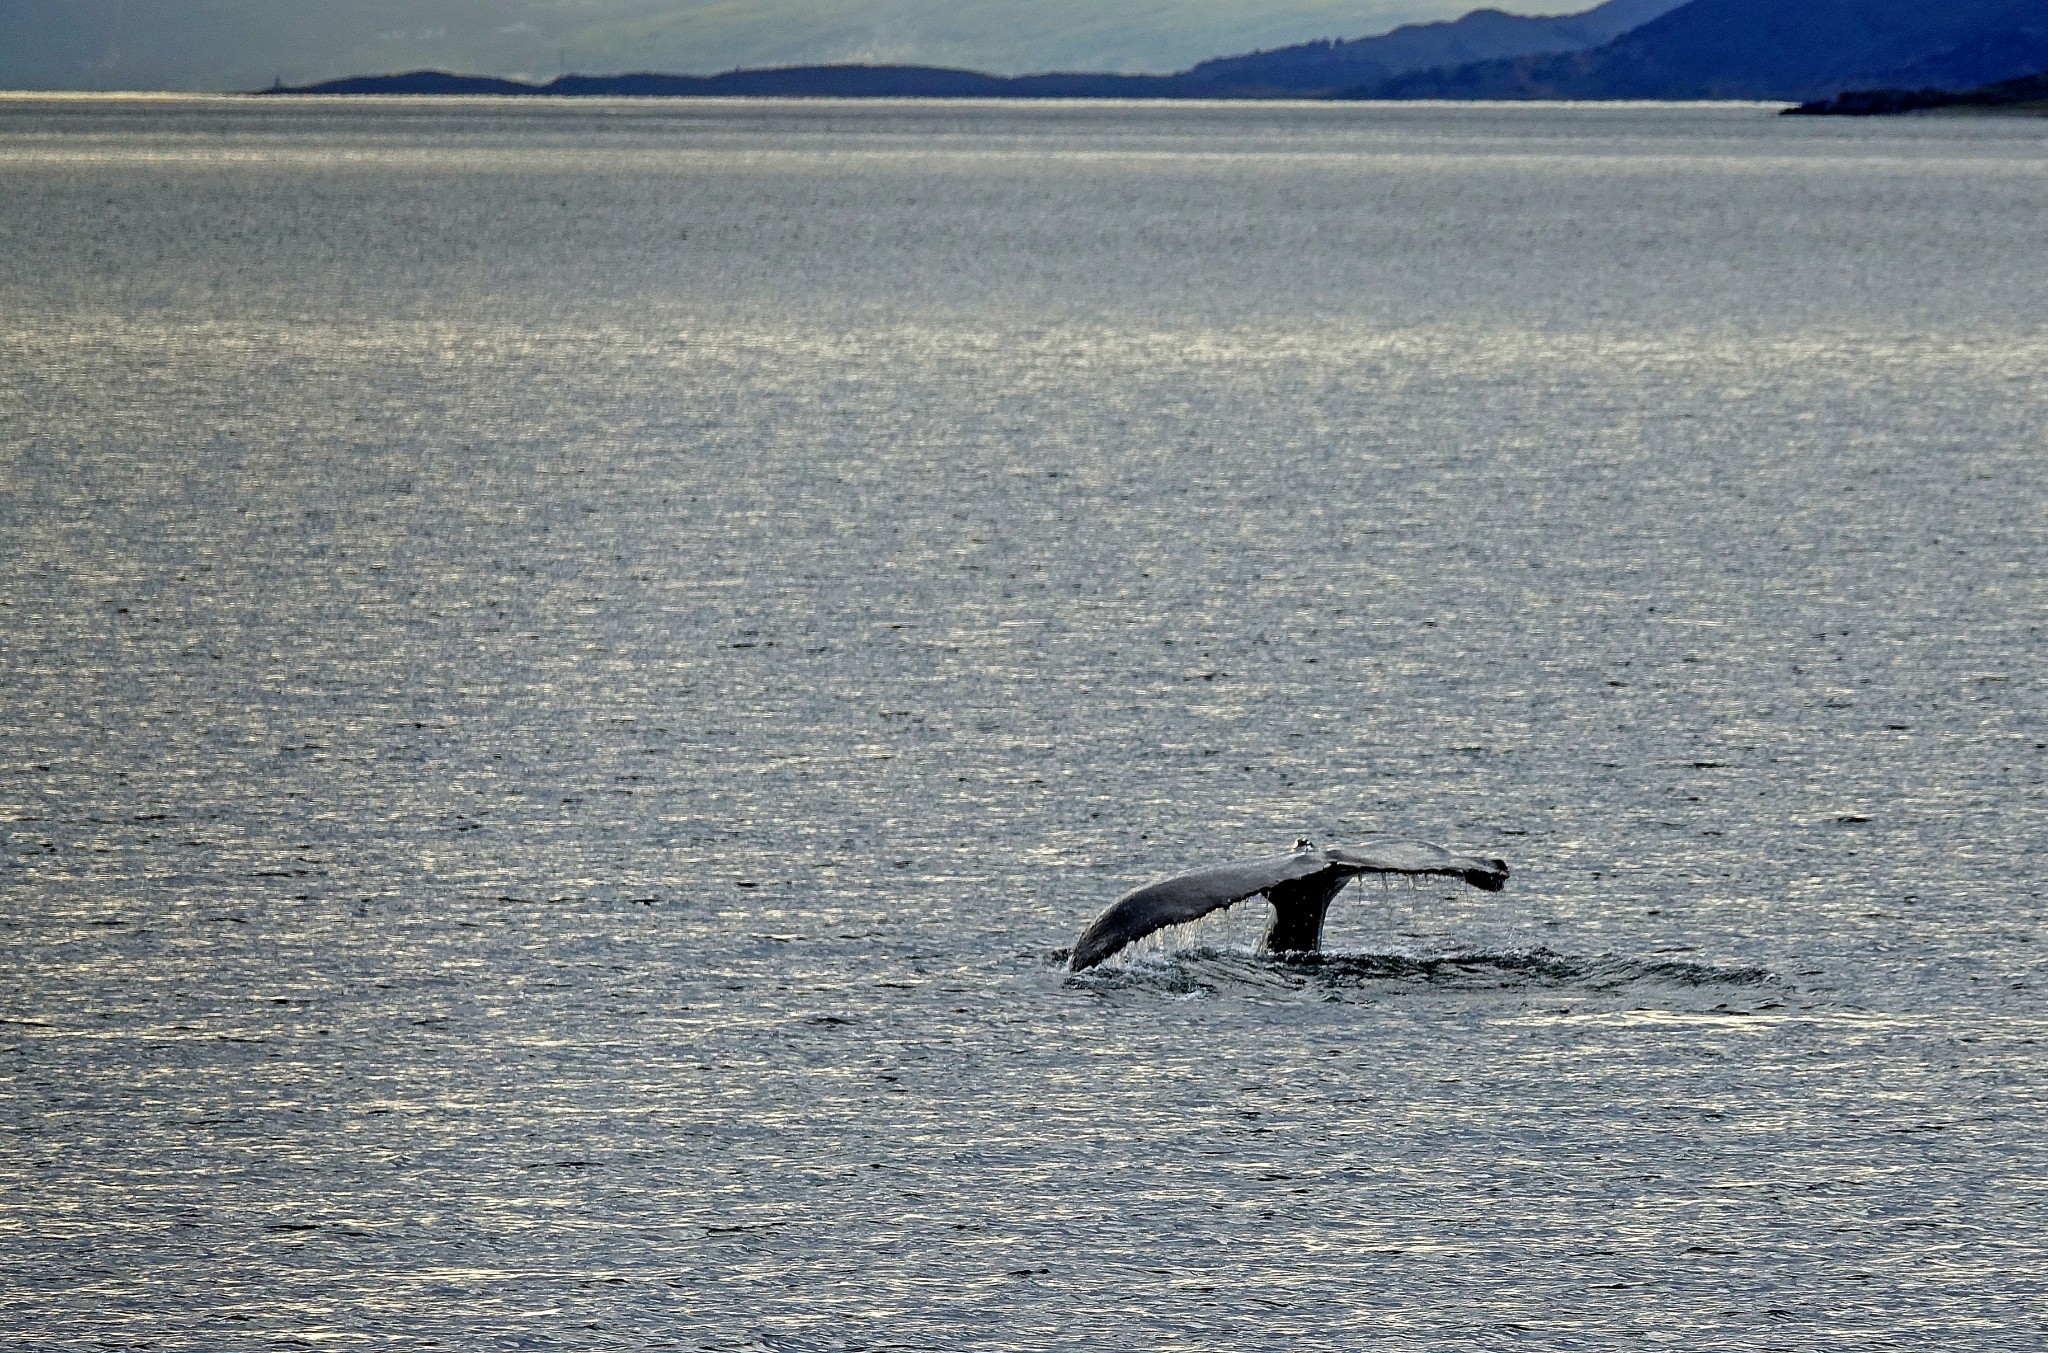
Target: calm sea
{"points": [[569, 670]]}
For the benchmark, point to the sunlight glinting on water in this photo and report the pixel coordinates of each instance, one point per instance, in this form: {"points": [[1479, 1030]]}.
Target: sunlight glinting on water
{"points": [[574, 671]]}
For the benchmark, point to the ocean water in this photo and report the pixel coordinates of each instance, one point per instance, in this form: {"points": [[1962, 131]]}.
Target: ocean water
{"points": [[569, 671]]}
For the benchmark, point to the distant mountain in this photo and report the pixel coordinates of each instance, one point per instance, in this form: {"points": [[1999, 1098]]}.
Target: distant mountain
{"points": [[1791, 50], [1310, 70], [840, 82], [1993, 58], [1318, 69], [1765, 49], [2028, 93]]}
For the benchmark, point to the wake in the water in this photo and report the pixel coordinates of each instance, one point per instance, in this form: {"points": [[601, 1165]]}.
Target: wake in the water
{"points": [[1216, 968]]}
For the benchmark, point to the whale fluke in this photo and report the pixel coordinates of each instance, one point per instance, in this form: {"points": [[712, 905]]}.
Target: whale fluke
{"points": [[1300, 884]]}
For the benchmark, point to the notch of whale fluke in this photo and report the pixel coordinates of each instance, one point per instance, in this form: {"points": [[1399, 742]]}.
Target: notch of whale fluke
{"points": [[1300, 884]]}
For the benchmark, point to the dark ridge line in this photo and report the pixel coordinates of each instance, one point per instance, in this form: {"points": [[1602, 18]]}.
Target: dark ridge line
{"points": [[849, 81], [1768, 50], [2028, 91]]}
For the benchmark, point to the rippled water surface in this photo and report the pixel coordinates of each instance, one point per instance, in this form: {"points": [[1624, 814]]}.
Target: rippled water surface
{"points": [[570, 671]]}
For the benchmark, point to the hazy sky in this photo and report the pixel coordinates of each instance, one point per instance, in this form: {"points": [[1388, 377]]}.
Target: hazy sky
{"points": [[241, 44]]}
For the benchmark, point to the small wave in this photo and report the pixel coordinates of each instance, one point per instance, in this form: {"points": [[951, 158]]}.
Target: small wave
{"points": [[1203, 968]]}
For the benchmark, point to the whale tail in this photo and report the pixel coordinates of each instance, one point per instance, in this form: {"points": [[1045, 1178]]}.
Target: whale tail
{"points": [[1300, 884]]}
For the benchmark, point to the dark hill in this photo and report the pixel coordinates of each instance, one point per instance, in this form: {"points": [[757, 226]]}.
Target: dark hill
{"points": [[412, 82], [1765, 49], [2030, 92]]}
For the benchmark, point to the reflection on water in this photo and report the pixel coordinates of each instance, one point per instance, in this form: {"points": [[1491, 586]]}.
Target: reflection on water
{"points": [[569, 671]]}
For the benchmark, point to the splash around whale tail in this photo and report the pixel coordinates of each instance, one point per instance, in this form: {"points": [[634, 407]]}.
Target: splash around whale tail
{"points": [[1300, 884]]}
